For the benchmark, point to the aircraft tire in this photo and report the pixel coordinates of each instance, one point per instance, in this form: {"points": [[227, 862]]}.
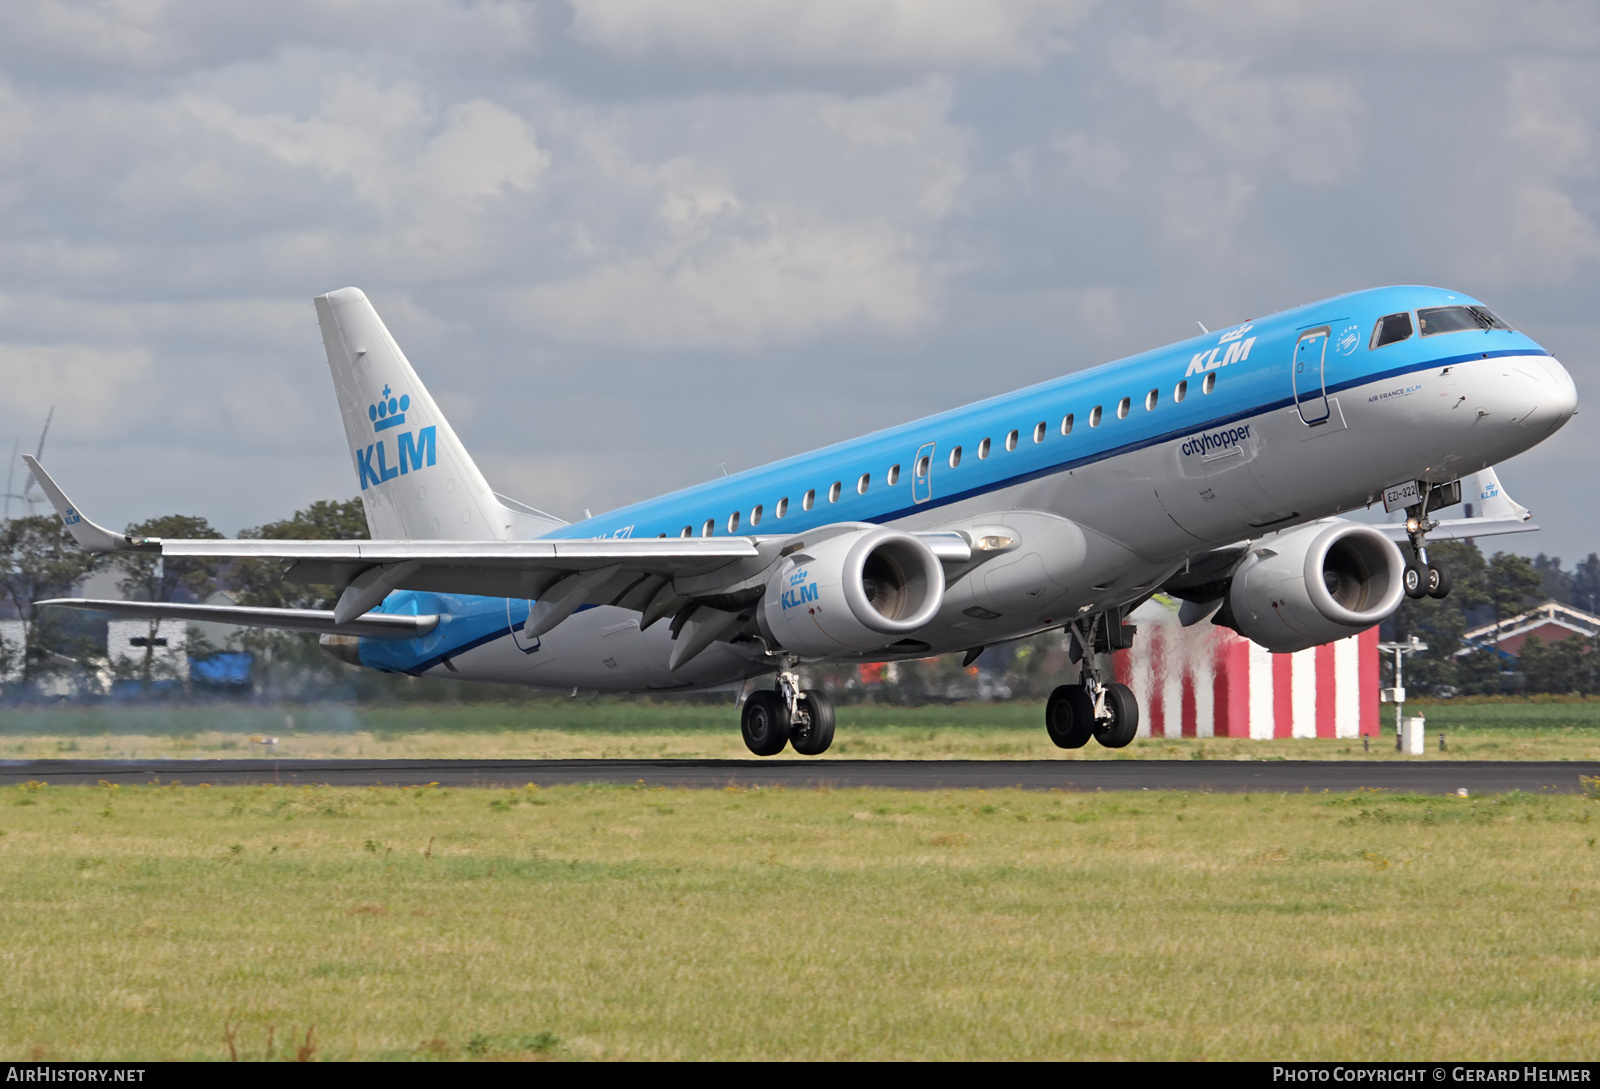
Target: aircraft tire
{"points": [[814, 738], [764, 722], [1415, 579], [1124, 723], [1438, 582], [1069, 716]]}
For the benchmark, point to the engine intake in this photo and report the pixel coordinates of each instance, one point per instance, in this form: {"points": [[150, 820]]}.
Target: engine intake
{"points": [[853, 593], [1315, 584]]}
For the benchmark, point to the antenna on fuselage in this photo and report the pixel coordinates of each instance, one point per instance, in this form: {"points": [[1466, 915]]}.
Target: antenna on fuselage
{"points": [[1203, 329]]}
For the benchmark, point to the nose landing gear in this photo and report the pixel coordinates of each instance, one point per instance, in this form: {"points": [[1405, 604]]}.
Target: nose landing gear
{"points": [[1109, 713], [772, 718], [1423, 579]]}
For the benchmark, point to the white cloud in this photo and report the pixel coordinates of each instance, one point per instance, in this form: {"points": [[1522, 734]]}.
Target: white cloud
{"points": [[482, 151], [125, 30], [777, 219], [391, 147], [919, 34], [1549, 236], [792, 280], [1547, 119], [142, 36], [1338, 28], [93, 386], [16, 121], [1305, 123]]}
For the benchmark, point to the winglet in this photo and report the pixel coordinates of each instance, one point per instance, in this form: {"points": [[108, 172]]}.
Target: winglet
{"points": [[1493, 502], [90, 537]]}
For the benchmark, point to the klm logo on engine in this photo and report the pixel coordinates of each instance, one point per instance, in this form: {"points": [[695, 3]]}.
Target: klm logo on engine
{"points": [[413, 449], [799, 592]]}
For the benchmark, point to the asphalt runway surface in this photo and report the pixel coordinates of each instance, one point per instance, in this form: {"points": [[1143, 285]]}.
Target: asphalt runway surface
{"points": [[1219, 776]]}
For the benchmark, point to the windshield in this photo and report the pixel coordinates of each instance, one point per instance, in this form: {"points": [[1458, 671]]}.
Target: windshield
{"points": [[1453, 319], [1390, 328]]}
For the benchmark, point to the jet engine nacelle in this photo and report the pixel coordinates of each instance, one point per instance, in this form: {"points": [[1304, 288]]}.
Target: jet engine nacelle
{"points": [[1315, 584], [853, 593]]}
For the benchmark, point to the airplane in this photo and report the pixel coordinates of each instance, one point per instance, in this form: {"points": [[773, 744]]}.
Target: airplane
{"points": [[1214, 470]]}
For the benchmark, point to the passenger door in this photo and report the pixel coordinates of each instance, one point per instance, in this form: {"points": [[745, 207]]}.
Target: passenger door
{"points": [[1309, 396]]}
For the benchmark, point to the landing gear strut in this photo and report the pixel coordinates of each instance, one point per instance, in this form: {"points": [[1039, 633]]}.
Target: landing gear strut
{"points": [[1109, 713], [786, 715], [1423, 579]]}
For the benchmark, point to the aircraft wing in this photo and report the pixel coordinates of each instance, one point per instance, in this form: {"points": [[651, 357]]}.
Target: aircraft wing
{"points": [[1460, 529], [1497, 513], [655, 576], [371, 626]]}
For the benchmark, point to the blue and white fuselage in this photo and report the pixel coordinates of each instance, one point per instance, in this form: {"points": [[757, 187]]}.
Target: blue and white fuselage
{"points": [[1104, 483]]}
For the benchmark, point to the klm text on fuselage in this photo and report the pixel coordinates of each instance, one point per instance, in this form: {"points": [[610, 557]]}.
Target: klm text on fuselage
{"points": [[414, 451]]}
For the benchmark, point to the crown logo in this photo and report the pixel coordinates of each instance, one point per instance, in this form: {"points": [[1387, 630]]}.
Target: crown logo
{"points": [[389, 411]]}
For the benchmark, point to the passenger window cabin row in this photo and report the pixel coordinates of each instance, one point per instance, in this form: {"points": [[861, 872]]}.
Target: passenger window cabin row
{"points": [[924, 463]]}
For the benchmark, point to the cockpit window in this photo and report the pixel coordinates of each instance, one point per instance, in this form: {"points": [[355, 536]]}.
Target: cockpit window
{"points": [[1453, 319], [1391, 329]]}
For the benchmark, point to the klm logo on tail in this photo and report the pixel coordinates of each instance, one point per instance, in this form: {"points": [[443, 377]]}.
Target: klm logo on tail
{"points": [[413, 450]]}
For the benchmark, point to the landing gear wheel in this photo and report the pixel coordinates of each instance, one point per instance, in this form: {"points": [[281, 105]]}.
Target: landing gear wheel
{"points": [[1121, 728], [1438, 582], [813, 737], [765, 723], [1415, 579], [1069, 716]]}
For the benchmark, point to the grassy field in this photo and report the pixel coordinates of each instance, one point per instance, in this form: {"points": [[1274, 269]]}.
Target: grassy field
{"points": [[589, 728], [616, 923]]}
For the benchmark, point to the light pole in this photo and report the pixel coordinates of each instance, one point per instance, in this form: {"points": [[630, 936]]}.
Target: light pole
{"points": [[1397, 694]]}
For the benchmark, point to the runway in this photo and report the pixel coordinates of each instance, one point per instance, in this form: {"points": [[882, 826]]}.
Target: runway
{"points": [[1220, 776]]}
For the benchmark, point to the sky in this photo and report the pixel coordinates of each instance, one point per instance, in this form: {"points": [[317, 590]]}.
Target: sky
{"points": [[628, 244]]}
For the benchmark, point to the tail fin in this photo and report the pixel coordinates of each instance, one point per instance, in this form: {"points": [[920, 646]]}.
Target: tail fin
{"points": [[417, 481]]}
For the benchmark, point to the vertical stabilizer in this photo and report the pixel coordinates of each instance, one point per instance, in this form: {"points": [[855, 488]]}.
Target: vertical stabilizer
{"points": [[417, 480]]}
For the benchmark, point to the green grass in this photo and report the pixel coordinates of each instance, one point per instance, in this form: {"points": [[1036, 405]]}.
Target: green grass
{"points": [[614, 923], [1537, 714], [615, 728], [629, 716]]}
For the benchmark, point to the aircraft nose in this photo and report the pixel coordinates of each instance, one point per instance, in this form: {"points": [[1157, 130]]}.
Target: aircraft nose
{"points": [[1553, 397], [1528, 398]]}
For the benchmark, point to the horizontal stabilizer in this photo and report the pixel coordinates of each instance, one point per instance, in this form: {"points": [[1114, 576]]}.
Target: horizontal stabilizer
{"points": [[370, 626]]}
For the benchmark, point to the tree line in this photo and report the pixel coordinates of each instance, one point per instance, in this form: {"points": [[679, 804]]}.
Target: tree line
{"points": [[39, 560], [1492, 591]]}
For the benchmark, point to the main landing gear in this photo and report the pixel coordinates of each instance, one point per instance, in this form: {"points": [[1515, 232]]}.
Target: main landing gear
{"points": [[773, 718], [1423, 579], [1109, 713]]}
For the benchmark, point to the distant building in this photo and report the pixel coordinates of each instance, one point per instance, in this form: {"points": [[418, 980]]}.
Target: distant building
{"points": [[1551, 622]]}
